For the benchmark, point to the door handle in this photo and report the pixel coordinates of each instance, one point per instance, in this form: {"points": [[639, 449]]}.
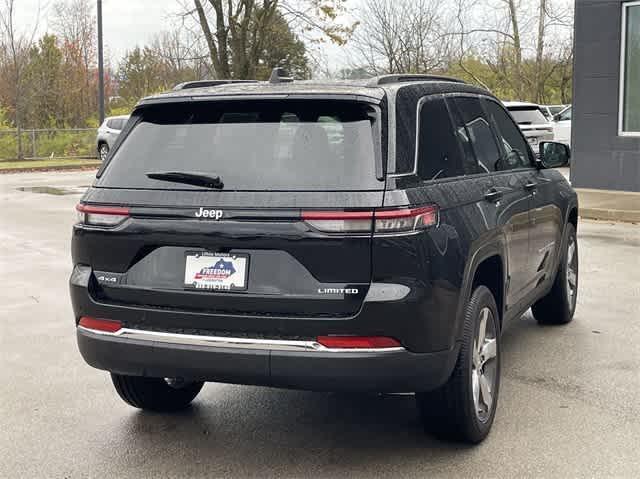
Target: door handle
{"points": [[493, 195], [531, 186]]}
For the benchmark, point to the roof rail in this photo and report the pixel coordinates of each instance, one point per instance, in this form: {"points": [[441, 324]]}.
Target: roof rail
{"points": [[280, 75], [205, 83], [410, 77]]}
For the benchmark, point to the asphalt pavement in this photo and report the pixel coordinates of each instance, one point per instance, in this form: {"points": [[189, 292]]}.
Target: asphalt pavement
{"points": [[569, 401]]}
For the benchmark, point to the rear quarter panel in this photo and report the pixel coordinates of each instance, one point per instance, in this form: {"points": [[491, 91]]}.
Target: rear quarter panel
{"points": [[438, 264]]}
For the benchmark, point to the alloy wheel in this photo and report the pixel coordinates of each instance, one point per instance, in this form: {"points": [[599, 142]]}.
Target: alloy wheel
{"points": [[572, 272], [484, 365], [104, 151]]}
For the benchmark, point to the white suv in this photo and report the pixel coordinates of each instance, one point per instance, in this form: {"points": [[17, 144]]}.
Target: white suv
{"points": [[108, 133], [562, 126], [532, 122]]}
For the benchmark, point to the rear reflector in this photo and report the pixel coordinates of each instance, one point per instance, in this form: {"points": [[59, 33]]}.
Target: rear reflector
{"points": [[384, 221], [357, 342], [101, 215], [339, 221], [106, 325]]}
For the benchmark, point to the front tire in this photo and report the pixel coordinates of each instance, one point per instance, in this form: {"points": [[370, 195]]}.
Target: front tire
{"points": [[155, 394], [463, 408], [559, 305]]}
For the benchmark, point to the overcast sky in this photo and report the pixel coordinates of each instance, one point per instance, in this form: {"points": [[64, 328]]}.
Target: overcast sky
{"points": [[127, 23]]}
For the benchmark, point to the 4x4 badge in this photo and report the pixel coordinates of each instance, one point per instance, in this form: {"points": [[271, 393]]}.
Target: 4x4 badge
{"points": [[213, 214]]}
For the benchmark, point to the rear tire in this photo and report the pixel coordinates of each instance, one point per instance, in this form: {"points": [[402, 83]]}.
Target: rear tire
{"points": [[463, 408], [155, 394], [559, 305], [103, 151]]}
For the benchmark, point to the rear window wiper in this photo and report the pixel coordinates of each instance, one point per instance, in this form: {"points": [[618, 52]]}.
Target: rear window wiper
{"points": [[188, 177]]}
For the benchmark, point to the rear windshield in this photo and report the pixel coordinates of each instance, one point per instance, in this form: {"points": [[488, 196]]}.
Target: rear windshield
{"points": [[252, 145], [565, 115], [527, 115], [555, 109]]}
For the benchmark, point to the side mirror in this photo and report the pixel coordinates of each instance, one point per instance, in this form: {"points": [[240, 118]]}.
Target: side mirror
{"points": [[556, 117], [554, 154]]}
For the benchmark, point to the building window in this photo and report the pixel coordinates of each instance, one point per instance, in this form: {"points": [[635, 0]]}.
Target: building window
{"points": [[630, 70]]}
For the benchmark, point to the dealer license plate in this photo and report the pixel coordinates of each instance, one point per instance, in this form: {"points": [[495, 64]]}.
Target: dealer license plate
{"points": [[216, 271]]}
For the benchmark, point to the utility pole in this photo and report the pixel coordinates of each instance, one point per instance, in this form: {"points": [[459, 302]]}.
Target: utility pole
{"points": [[100, 66]]}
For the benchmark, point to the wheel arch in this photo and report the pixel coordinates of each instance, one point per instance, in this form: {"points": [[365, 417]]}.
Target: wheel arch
{"points": [[490, 273], [487, 266], [101, 142], [573, 216]]}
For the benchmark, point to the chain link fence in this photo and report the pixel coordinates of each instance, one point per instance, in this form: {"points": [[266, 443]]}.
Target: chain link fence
{"points": [[49, 143]]}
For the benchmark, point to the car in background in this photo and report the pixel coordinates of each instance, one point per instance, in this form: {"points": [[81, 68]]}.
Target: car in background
{"points": [[532, 122], [108, 133], [550, 111], [562, 126]]}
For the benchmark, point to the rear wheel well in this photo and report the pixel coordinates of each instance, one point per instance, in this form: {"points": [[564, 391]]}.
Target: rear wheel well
{"points": [[573, 218], [490, 273]]}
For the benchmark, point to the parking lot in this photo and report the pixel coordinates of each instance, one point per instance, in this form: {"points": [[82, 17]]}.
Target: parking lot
{"points": [[569, 402]]}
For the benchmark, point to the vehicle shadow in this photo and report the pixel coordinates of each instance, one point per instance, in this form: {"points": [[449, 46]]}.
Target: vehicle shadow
{"points": [[250, 431], [254, 431]]}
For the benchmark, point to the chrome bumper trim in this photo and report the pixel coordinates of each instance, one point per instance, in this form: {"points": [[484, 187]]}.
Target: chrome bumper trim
{"points": [[233, 343]]}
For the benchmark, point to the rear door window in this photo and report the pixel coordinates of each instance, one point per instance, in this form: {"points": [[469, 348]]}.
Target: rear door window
{"points": [[470, 163], [516, 150], [116, 123], [477, 127], [256, 145], [439, 154]]}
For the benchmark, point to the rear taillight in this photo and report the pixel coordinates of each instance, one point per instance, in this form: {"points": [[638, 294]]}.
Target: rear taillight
{"points": [[104, 325], [101, 215], [358, 342], [382, 221], [406, 220]]}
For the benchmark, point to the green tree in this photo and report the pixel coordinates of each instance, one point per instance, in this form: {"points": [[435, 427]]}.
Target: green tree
{"points": [[43, 74], [284, 49], [240, 34], [140, 74]]}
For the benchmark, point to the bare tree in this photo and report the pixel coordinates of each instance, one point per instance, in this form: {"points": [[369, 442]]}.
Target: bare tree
{"points": [[517, 47], [542, 23], [496, 40], [180, 52], [74, 23], [522, 48], [407, 37], [14, 49]]}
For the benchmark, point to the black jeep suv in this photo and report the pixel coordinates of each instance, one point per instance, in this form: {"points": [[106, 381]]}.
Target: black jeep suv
{"points": [[365, 236]]}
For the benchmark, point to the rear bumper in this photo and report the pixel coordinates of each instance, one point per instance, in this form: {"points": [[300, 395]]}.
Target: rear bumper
{"points": [[391, 370]]}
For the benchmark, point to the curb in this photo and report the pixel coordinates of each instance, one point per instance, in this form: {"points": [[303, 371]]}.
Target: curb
{"points": [[49, 168], [627, 216], [609, 205]]}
